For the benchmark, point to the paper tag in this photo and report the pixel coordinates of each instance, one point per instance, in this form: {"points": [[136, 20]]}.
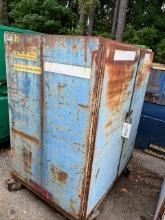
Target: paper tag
{"points": [[126, 130]]}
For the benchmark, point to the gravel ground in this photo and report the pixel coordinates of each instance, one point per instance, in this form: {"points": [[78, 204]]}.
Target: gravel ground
{"points": [[132, 198]]}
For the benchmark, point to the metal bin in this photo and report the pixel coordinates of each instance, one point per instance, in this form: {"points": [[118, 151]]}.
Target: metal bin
{"points": [[69, 97], [150, 137]]}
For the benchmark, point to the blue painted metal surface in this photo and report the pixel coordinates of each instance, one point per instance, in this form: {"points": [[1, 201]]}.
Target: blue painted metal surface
{"points": [[68, 98], [137, 98], [67, 103], [25, 107], [116, 95], [150, 136]]}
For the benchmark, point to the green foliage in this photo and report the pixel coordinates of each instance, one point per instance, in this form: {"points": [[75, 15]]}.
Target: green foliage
{"points": [[45, 16], [160, 52], [146, 13], [88, 5], [145, 19], [131, 35], [147, 36], [91, 5], [146, 25], [104, 34], [104, 17]]}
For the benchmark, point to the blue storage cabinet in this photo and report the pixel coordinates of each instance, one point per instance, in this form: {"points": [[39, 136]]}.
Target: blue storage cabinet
{"points": [[69, 97], [150, 136]]}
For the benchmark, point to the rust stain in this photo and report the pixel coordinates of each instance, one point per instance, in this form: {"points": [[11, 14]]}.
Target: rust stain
{"points": [[62, 42], [14, 173], [26, 136], [25, 43], [27, 160], [85, 49], [13, 152], [44, 194], [117, 89], [58, 174], [143, 73], [119, 75], [96, 94], [75, 47], [108, 124], [52, 41]]}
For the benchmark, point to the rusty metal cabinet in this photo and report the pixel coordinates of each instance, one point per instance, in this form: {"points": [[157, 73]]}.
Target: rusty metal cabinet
{"points": [[69, 97]]}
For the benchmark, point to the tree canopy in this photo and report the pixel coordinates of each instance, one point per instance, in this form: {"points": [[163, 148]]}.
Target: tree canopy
{"points": [[144, 25]]}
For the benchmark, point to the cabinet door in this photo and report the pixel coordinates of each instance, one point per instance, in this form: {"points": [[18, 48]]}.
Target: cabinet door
{"points": [[67, 98], [120, 64], [24, 78], [136, 105]]}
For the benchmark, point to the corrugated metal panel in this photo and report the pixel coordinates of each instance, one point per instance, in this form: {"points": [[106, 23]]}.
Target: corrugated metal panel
{"points": [[69, 97]]}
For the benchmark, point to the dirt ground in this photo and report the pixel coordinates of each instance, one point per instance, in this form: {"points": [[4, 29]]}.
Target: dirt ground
{"points": [[132, 198]]}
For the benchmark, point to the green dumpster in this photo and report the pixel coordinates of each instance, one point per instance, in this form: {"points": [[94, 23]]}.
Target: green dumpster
{"points": [[4, 120]]}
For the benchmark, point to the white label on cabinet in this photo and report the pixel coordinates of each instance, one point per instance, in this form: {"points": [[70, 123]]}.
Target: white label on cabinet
{"points": [[126, 130], [66, 69], [122, 55]]}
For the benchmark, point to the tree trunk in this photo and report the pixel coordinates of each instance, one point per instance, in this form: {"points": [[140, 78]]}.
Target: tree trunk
{"points": [[91, 23], [82, 21], [4, 12], [115, 16], [70, 4], [121, 20]]}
